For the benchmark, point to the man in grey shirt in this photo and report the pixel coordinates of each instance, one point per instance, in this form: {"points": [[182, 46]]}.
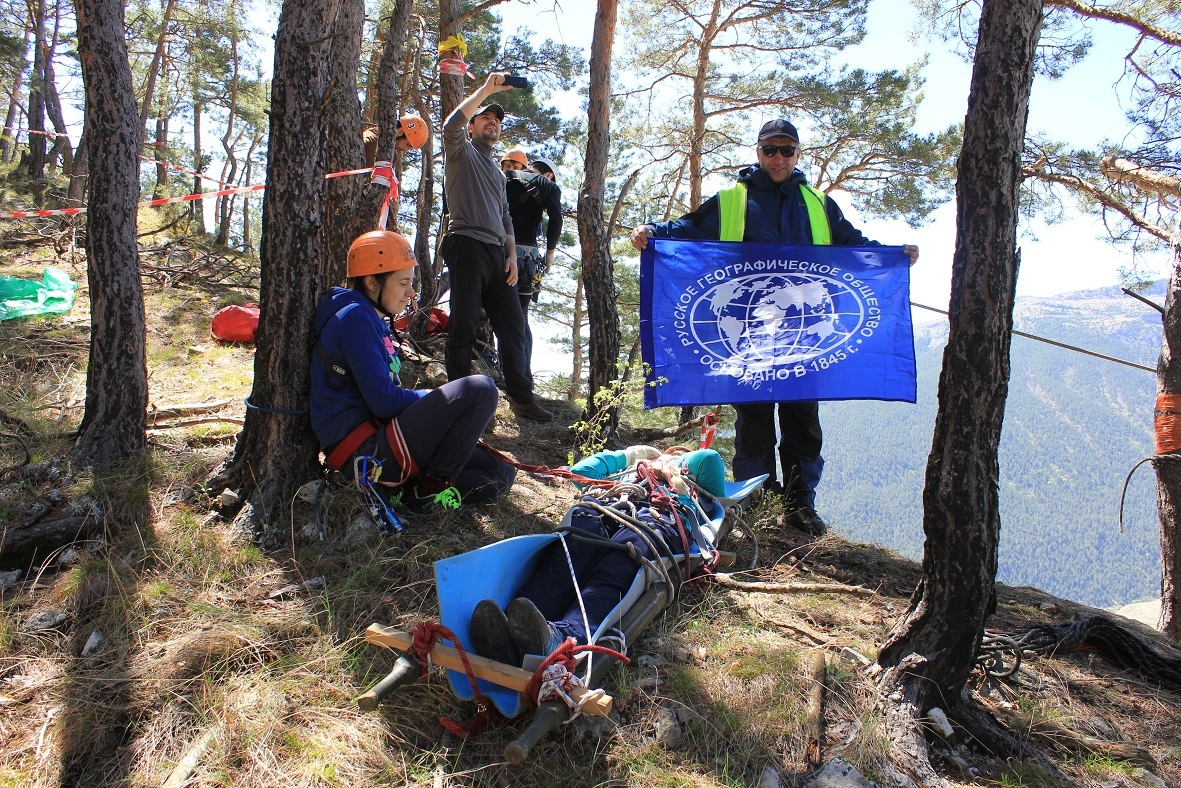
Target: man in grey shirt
{"points": [[480, 250]]}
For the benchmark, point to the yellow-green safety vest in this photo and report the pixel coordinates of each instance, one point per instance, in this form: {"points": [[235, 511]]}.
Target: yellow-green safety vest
{"points": [[732, 213]]}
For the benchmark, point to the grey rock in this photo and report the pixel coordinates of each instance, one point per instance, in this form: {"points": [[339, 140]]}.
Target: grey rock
{"points": [[852, 657], [362, 532], [938, 720], [311, 531], [1100, 726], [839, 773], [591, 728], [315, 583], [45, 619], [307, 492], [10, 578], [769, 778], [649, 661], [67, 556], [1148, 778], [93, 643], [668, 730], [228, 499]]}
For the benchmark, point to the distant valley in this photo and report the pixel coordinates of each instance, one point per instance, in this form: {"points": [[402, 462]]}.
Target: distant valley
{"points": [[1074, 426]]}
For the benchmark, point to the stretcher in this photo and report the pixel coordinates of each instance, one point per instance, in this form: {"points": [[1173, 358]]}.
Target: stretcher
{"points": [[498, 570]]}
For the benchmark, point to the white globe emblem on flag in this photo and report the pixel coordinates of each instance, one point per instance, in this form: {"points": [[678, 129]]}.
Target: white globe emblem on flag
{"points": [[766, 320]]}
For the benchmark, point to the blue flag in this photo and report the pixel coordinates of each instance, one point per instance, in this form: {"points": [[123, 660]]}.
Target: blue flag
{"points": [[724, 322]]}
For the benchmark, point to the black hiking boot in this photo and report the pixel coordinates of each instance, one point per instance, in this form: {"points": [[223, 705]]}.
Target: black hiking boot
{"points": [[490, 634], [529, 629], [804, 518]]}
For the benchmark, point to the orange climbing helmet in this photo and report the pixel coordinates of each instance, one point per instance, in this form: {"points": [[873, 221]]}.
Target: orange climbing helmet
{"points": [[379, 251], [517, 155], [414, 129]]}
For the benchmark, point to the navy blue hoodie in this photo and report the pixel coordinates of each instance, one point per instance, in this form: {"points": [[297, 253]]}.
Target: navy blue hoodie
{"points": [[355, 336]]}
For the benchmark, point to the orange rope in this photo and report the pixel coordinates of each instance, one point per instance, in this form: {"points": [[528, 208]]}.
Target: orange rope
{"points": [[1167, 423], [425, 635], [566, 654]]}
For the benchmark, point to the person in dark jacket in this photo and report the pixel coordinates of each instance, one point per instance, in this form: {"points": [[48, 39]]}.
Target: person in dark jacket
{"points": [[777, 211], [532, 190], [423, 440]]}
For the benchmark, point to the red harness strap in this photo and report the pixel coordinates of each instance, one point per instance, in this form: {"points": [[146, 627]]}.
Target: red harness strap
{"points": [[359, 434]]}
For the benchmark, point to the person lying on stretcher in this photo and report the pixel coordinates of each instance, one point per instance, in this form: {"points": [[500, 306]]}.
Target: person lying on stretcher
{"points": [[661, 509]]}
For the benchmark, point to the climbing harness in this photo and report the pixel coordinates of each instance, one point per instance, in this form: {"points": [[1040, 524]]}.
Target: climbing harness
{"points": [[366, 476]]}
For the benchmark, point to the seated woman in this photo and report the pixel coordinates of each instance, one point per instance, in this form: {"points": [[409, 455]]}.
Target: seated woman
{"points": [[608, 539], [423, 441]]}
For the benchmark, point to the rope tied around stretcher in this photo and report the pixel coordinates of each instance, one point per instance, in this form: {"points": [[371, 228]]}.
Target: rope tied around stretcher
{"points": [[425, 636], [557, 684]]}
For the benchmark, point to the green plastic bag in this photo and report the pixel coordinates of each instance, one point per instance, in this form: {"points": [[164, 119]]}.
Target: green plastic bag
{"points": [[24, 297]]}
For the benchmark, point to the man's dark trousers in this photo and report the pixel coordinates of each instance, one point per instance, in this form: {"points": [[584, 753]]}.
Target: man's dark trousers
{"points": [[799, 446], [477, 281]]}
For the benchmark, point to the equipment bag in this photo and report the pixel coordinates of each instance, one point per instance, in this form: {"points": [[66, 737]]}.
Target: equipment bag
{"points": [[235, 323]]}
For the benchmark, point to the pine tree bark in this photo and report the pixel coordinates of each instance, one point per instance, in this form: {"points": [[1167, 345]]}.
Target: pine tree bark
{"points": [[53, 103], [931, 650], [114, 426], [1168, 462], [154, 68], [345, 149], [277, 450], [597, 268], [8, 138], [37, 105], [385, 110]]}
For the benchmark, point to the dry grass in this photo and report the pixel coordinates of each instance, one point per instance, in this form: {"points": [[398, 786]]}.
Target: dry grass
{"points": [[224, 657]]}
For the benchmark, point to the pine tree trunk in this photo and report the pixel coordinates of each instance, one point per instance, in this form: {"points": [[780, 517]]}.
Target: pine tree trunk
{"points": [[53, 103], [37, 105], [79, 172], [597, 267], [932, 648], [8, 138], [154, 68], [197, 207], [114, 427], [161, 144], [277, 450], [575, 390], [1168, 470], [384, 111], [342, 221]]}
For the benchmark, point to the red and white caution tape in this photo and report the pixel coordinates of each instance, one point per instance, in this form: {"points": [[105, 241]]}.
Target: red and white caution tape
{"points": [[383, 175], [178, 168], [16, 131], [165, 200]]}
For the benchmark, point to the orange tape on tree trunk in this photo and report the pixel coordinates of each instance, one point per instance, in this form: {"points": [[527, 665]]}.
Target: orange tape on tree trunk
{"points": [[1167, 423]]}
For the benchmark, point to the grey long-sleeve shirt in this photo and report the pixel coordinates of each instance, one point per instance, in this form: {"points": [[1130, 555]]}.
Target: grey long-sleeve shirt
{"points": [[475, 186]]}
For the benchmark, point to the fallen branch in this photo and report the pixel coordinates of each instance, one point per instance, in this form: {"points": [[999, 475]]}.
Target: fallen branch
{"points": [[28, 455], [800, 628], [792, 588], [50, 535], [188, 762], [206, 420], [171, 411], [1065, 740], [814, 721]]}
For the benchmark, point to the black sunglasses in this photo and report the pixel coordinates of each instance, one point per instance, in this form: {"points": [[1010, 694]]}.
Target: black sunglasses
{"points": [[787, 150]]}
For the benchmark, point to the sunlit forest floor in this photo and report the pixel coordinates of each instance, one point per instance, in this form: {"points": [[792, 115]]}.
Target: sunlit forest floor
{"points": [[160, 649]]}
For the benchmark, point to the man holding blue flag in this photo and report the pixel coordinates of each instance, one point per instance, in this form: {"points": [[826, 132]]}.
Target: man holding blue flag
{"points": [[773, 203]]}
